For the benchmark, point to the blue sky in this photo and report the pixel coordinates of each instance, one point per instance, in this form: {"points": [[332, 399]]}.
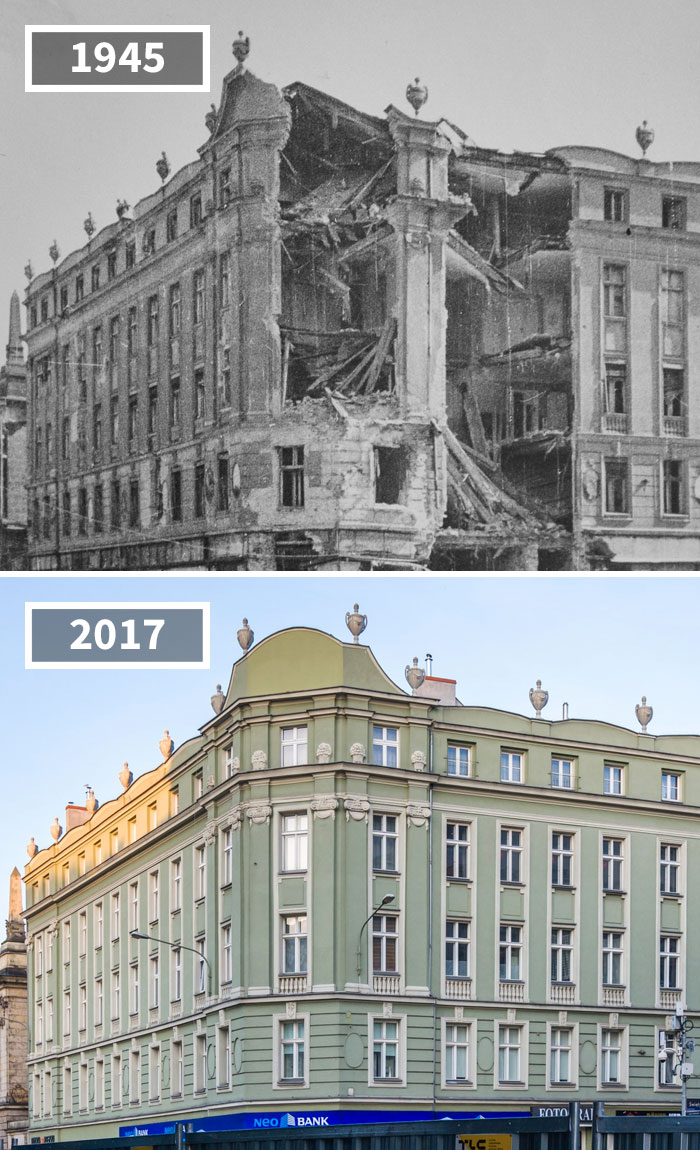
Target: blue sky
{"points": [[597, 643]]}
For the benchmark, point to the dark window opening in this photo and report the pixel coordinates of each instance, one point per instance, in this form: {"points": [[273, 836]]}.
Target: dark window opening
{"points": [[673, 487], [222, 484], [198, 490], [82, 511], [615, 205], [615, 388], [175, 401], [292, 476], [196, 210], [616, 486], [134, 509], [66, 513], [673, 213], [389, 474], [116, 505], [96, 277], [673, 390], [98, 509], [171, 226], [176, 495], [199, 394], [130, 251], [111, 265]]}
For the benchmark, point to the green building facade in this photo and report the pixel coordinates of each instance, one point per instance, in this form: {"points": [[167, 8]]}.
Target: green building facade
{"points": [[530, 939]]}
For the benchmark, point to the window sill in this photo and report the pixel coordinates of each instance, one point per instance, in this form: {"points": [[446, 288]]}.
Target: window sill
{"points": [[457, 879], [516, 885], [508, 1082], [178, 1095], [391, 873], [387, 1081], [562, 886], [291, 1082], [620, 893], [458, 1082]]}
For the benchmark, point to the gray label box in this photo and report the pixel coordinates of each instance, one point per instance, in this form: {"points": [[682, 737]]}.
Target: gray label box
{"points": [[117, 635], [54, 64]]}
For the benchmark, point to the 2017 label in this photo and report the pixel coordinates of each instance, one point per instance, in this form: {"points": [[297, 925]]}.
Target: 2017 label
{"points": [[116, 636]]}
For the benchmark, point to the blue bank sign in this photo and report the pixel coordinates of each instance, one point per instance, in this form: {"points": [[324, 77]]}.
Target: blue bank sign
{"points": [[286, 1118]]}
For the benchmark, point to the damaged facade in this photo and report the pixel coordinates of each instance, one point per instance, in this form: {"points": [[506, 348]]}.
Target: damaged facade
{"points": [[343, 341]]}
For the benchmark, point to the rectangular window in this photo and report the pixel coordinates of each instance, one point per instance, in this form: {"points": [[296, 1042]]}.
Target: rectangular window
{"points": [[384, 943], [561, 954], [200, 872], [133, 906], [612, 958], [99, 1002], [115, 915], [615, 205], [669, 962], [225, 279], [612, 779], [132, 331], [222, 485], [226, 856], [670, 787], [83, 1086], [175, 401], [116, 1080], [456, 948], [292, 476], [79, 288], [617, 501], [226, 966], [295, 834], [176, 885], [200, 394], [563, 774], [135, 1077], [510, 953], [154, 895], [672, 314], [176, 495], [174, 309], [610, 1057], [66, 514], [615, 307], [223, 1057], [511, 855], [385, 838], [389, 474], [154, 1073], [225, 187], [152, 415], [562, 858], [111, 265], [612, 864], [385, 746], [294, 746], [154, 981], [199, 490], [200, 1063], [226, 377], [115, 518], [176, 1069], [130, 255], [82, 932], [511, 767], [66, 1013], [457, 850], [196, 210], [674, 501], [294, 942], [673, 213], [99, 1084], [292, 1051], [456, 1052], [114, 341], [200, 969], [458, 761], [175, 974], [669, 868], [116, 994], [171, 226], [98, 505], [674, 400], [385, 1050], [149, 241], [560, 1059], [134, 988], [198, 784], [131, 830], [509, 1041], [67, 1090], [134, 503], [669, 1058], [95, 277], [198, 297], [153, 322]]}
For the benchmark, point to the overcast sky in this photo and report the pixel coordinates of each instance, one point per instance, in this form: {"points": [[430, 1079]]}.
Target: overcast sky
{"points": [[598, 643], [524, 74]]}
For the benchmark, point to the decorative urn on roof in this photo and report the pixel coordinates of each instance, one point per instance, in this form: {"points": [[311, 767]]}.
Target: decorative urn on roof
{"points": [[32, 848], [218, 700], [539, 698], [644, 713], [54, 252], [415, 675], [210, 119], [29, 271], [91, 803], [89, 225], [355, 622], [125, 776], [241, 48], [56, 830], [416, 94], [645, 137], [166, 745], [122, 208], [163, 167], [245, 636]]}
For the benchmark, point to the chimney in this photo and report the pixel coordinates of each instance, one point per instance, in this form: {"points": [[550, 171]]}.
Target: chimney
{"points": [[444, 691], [75, 816]]}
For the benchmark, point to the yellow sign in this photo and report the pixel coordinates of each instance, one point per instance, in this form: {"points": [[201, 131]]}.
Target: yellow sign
{"points": [[483, 1142]]}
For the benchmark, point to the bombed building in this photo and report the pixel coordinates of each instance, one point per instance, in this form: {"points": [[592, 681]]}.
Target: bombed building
{"points": [[343, 341]]}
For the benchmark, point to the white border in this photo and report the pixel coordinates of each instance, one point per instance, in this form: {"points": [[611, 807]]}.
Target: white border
{"points": [[204, 29], [202, 664]]}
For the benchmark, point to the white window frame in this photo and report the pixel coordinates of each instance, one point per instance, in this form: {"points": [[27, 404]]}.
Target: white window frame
{"points": [[610, 952], [82, 933], [514, 947], [176, 974], [175, 885], [459, 760], [400, 1040], [386, 836], [293, 939], [82, 1086], [514, 851], [115, 916], [456, 938], [154, 895], [523, 1054], [616, 864], [613, 779], [671, 786], [82, 1006], [385, 746], [670, 958], [605, 1083], [294, 842], [177, 1075], [134, 905], [562, 778], [134, 1076], [67, 1089], [226, 953], [452, 1041], [115, 995], [99, 1001], [670, 867], [512, 767], [558, 947], [381, 932], [98, 925], [99, 1084], [154, 981], [200, 871], [279, 1022], [226, 856], [559, 853], [200, 969], [572, 1081], [223, 1056], [115, 1079], [134, 988], [457, 850], [294, 746], [154, 1073], [67, 1014], [201, 1069]]}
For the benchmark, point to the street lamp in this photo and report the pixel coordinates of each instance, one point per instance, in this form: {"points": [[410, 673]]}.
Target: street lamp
{"points": [[177, 946], [681, 1026], [385, 901]]}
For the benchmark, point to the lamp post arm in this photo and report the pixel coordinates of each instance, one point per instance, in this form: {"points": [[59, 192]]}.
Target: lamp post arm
{"points": [[178, 946]]}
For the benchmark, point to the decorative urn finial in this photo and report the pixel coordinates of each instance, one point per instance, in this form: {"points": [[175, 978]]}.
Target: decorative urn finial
{"points": [[415, 675], [416, 94], [29, 271], [211, 118], [122, 208], [240, 49], [56, 830], [166, 745], [245, 636], [125, 776], [163, 167], [218, 700], [355, 622], [89, 225], [645, 137], [32, 848], [644, 713], [539, 698], [54, 252]]}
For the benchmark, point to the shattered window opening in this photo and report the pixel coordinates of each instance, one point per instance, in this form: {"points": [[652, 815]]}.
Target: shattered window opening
{"points": [[292, 476], [673, 487], [616, 487], [615, 205], [673, 213], [389, 474]]}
